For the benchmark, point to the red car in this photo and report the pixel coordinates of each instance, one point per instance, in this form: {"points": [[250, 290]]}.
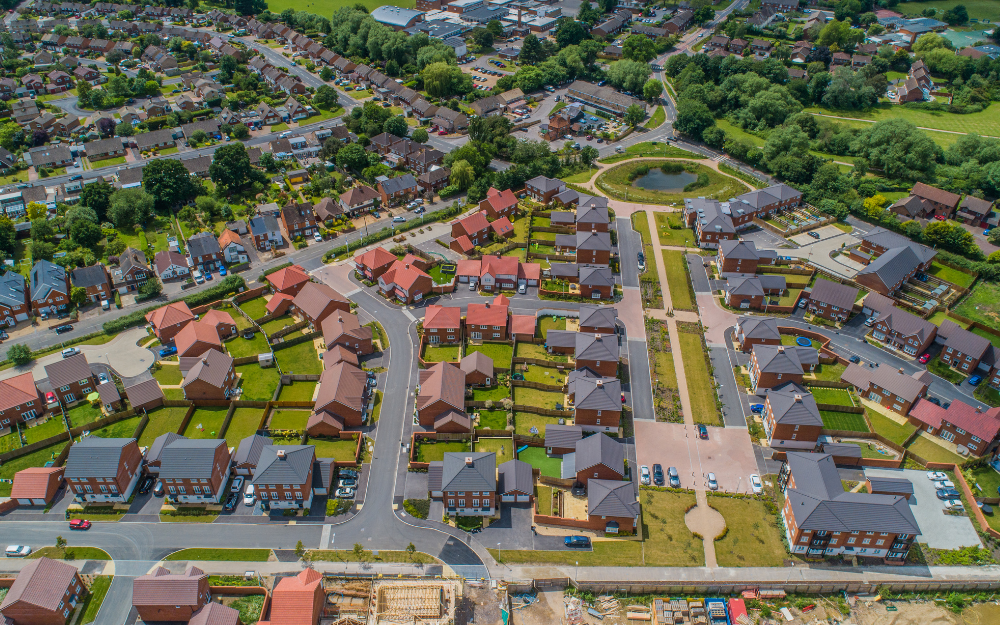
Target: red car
{"points": [[924, 359], [79, 524], [50, 398], [442, 132], [939, 217]]}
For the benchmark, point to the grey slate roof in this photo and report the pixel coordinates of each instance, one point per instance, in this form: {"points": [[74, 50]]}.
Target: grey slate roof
{"points": [[880, 237], [962, 340], [597, 241], [189, 458], [293, 469], [558, 218], [89, 276], [96, 457], [46, 277], [834, 294], [908, 387], [819, 501], [401, 183], [596, 276], [562, 435], [791, 407], [203, 244], [891, 484], [161, 441], [772, 283], [781, 359], [842, 450], [600, 449], [434, 471], [480, 475], [611, 499], [598, 316], [560, 338], [738, 249], [892, 266], [546, 184], [745, 286], [907, 324], [262, 224], [593, 213], [249, 449], [564, 270], [759, 327], [596, 346], [12, 289], [596, 393], [68, 370], [515, 477]]}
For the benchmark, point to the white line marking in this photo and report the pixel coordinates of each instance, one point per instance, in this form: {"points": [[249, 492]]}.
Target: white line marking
{"points": [[409, 315], [324, 536], [350, 293]]}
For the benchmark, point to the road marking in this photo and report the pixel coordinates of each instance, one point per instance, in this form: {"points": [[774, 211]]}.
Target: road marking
{"points": [[350, 293], [409, 315], [325, 535]]}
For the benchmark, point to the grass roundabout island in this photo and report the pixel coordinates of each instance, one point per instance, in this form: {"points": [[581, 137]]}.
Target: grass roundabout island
{"points": [[666, 182]]}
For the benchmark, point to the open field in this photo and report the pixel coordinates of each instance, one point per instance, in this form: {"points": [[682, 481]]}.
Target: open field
{"points": [[675, 267], [616, 184], [752, 537], [978, 9], [982, 304], [161, 421], [985, 122], [700, 386], [650, 148]]}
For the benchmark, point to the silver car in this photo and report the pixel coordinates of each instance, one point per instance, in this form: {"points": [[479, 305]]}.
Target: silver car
{"points": [[712, 483]]}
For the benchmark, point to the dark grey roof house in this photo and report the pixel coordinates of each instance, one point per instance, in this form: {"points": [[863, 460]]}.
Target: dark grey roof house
{"points": [[609, 498], [469, 471], [562, 437], [248, 453], [594, 393], [285, 464], [793, 405], [515, 481], [598, 316], [599, 449], [156, 449]]}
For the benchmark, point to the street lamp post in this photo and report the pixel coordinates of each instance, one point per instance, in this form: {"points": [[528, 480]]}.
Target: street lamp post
{"points": [[499, 559]]}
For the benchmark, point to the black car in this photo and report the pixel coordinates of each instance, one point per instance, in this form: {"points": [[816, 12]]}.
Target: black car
{"points": [[934, 400], [579, 489], [855, 359], [814, 235], [948, 493], [657, 475], [231, 502], [63, 329], [147, 485]]}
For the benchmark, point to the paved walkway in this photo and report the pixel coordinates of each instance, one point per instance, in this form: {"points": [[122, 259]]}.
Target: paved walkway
{"points": [[130, 359]]}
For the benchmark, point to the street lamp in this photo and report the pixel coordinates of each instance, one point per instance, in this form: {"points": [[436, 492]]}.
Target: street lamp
{"points": [[499, 559]]}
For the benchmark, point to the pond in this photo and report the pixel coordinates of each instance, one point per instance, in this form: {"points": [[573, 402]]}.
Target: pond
{"points": [[656, 180]]}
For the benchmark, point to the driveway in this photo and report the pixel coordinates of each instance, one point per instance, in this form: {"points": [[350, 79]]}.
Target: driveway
{"points": [[130, 359], [937, 529], [727, 453], [512, 530]]}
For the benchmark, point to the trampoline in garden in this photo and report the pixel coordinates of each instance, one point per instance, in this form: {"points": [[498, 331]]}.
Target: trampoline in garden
{"points": [[803, 341], [448, 268]]}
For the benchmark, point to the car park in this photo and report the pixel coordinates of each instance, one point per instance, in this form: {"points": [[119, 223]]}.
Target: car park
{"points": [[712, 482], [755, 484], [674, 477], [955, 505], [644, 478], [345, 493], [79, 524], [657, 475], [944, 484], [576, 541]]}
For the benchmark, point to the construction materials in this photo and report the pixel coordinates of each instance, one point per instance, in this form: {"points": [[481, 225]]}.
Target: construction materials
{"points": [[574, 611]]}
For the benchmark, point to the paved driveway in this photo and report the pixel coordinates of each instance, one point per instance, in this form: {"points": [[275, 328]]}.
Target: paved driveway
{"points": [[937, 529], [727, 453], [130, 360]]}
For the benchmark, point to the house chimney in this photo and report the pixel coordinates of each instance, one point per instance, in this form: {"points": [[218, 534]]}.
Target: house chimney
{"points": [[468, 461], [600, 383], [979, 408], [281, 454], [901, 370], [781, 349], [798, 397]]}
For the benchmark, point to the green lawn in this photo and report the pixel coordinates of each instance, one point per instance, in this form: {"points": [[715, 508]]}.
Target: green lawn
{"points": [[258, 382], [301, 359], [829, 373], [492, 419], [678, 280], [289, 420], [986, 477], [788, 339], [701, 389], [870, 452], [10, 442], [502, 447], [439, 277], [986, 122], [672, 231], [278, 323], [925, 447], [543, 497], [659, 116], [837, 396], [989, 336], [340, 450], [243, 424], [70, 553], [843, 421], [524, 421], [256, 307], [431, 451], [536, 457], [940, 368], [550, 322], [36, 458], [81, 414], [52, 427], [888, 428], [753, 537], [107, 162], [161, 421], [297, 391], [206, 422], [168, 375], [646, 149], [501, 353], [546, 400], [954, 276], [649, 280], [92, 604], [442, 353], [221, 555], [240, 347], [495, 393], [545, 375], [120, 429], [173, 394], [531, 350]]}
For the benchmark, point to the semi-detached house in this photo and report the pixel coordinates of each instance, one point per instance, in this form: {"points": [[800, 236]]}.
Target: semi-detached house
{"points": [[772, 366], [14, 305], [975, 428], [49, 288], [832, 300], [888, 387], [903, 331], [963, 350], [96, 280]]}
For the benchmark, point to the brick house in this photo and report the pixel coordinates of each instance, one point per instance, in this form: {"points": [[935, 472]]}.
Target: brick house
{"points": [[599, 457], [105, 148], [476, 227], [443, 324], [499, 272], [396, 190], [168, 320], [772, 366], [342, 400], [49, 288], [963, 350], [737, 256], [542, 189], [204, 250], [132, 271], [96, 280], [318, 301], [103, 469], [515, 482], [14, 304], [487, 321], [831, 300], [196, 338], [612, 507], [598, 319], [478, 369], [974, 428], [297, 220], [596, 401], [358, 199], [164, 596], [37, 486], [195, 470], [888, 387], [266, 232], [561, 439], [71, 378], [298, 599], [822, 519], [20, 400], [289, 280], [211, 377], [232, 247], [374, 263], [791, 418], [283, 477], [405, 282], [596, 282], [342, 328], [750, 331], [593, 248], [442, 395], [887, 273], [750, 292], [499, 203], [466, 482], [45, 592], [878, 241], [902, 331]]}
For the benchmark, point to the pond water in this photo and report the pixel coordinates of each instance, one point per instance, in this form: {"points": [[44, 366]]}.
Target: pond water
{"points": [[656, 180]]}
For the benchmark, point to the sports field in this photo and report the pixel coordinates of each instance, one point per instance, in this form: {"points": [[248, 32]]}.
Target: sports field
{"points": [[977, 9], [986, 122], [326, 8]]}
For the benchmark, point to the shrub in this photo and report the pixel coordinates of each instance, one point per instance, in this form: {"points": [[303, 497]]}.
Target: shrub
{"points": [[417, 508], [230, 285]]}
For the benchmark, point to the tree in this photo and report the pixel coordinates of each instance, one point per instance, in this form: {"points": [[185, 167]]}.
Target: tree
{"points": [[704, 14], [97, 196], [639, 48], [240, 131], [326, 74], [168, 181], [106, 126], [352, 156], [411, 549], [359, 551], [199, 136], [588, 14], [39, 137], [531, 51], [8, 235], [652, 89], [396, 126], [588, 154], [420, 135], [570, 33], [634, 115], [482, 37], [231, 167], [78, 296], [994, 239], [130, 208], [629, 75], [693, 118], [124, 129], [36, 210], [956, 15], [607, 6], [325, 97], [19, 354], [151, 287], [300, 549], [840, 33], [268, 163], [442, 79], [86, 233], [60, 542], [250, 7], [495, 27], [898, 148], [462, 174], [83, 89]]}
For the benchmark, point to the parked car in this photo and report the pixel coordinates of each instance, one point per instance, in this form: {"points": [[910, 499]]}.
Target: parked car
{"points": [[348, 473], [642, 261], [936, 475], [248, 497], [50, 398], [147, 484], [975, 380], [237, 484], [69, 351], [870, 321], [102, 378], [934, 400], [923, 359], [576, 541], [814, 235], [955, 505], [944, 484], [644, 478], [702, 431], [231, 502], [169, 350], [947, 493], [398, 219], [755, 484], [345, 493], [222, 270], [757, 408], [854, 359], [17, 551], [63, 329], [657, 475], [712, 483], [198, 278], [79, 524], [158, 490], [674, 477]]}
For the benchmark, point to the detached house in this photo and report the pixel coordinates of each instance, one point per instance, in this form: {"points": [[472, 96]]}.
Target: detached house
{"points": [[772, 365], [394, 190], [95, 280], [297, 220], [289, 280], [498, 203], [974, 428], [791, 418], [103, 469], [284, 475], [20, 400], [488, 321], [266, 232], [888, 387], [211, 377], [132, 271], [45, 592], [204, 250], [751, 330], [168, 320], [318, 301], [374, 263], [49, 288], [405, 282], [342, 400], [466, 482], [963, 350], [441, 400], [443, 324], [737, 256], [342, 328], [71, 378]]}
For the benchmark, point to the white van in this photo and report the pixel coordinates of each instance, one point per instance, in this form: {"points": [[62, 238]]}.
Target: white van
{"points": [[248, 495], [105, 304], [198, 278]]}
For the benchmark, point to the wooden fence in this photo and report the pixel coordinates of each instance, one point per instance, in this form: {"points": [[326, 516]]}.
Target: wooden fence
{"points": [[64, 436], [840, 408], [277, 334], [545, 412], [539, 386]]}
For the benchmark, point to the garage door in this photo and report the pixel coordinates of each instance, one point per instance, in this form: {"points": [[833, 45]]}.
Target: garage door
{"points": [[523, 498], [507, 498]]}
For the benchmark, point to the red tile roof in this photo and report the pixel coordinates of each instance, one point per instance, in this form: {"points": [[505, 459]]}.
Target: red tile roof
{"points": [[465, 245], [37, 483], [442, 317], [475, 222], [375, 258], [196, 332], [984, 424], [163, 588], [502, 226], [17, 390], [288, 278], [522, 324], [276, 300], [228, 236], [529, 271], [293, 599], [403, 276], [500, 265], [486, 315], [502, 200], [170, 314], [41, 583], [469, 267], [217, 317]]}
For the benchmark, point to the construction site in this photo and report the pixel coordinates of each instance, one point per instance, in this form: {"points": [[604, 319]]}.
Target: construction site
{"points": [[393, 601]]}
